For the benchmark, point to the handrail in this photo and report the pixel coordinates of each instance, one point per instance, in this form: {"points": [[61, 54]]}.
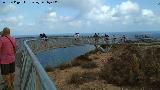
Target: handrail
{"points": [[32, 74]]}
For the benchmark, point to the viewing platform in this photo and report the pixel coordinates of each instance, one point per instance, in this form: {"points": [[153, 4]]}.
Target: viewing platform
{"points": [[30, 75]]}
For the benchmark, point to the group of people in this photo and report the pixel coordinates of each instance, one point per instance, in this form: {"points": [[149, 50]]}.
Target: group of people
{"points": [[141, 36], [114, 39], [43, 39], [107, 38], [43, 36], [121, 39], [7, 58]]}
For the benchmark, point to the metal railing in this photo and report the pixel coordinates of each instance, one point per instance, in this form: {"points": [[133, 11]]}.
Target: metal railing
{"points": [[32, 74]]}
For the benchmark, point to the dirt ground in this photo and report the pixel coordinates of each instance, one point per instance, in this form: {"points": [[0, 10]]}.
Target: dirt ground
{"points": [[86, 72], [61, 77]]}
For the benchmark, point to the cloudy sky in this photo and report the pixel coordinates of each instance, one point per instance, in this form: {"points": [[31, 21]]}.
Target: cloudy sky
{"points": [[84, 16]]}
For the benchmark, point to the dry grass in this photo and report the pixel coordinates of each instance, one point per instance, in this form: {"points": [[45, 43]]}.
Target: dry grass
{"points": [[89, 65], [80, 78], [49, 69], [133, 66]]}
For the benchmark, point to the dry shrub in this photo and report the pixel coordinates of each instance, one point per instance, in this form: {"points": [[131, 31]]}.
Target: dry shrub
{"points": [[84, 57], [80, 78], [76, 62], [90, 65], [81, 60], [49, 69], [151, 66], [132, 66], [64, 66], [76, 79]]}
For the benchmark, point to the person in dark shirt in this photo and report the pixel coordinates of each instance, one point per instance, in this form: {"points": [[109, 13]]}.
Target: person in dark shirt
{"points": [[106, 38], [124, 38], [96, 38], [76, 35], [45, 37], [41, 36], [114, 39]]}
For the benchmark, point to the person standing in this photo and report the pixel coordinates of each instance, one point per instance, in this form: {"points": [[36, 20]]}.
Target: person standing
{"points": [[96, 38], [124, 38], [114, 39], [76, 36], [106, 38], [7, 57], [45, 36]]}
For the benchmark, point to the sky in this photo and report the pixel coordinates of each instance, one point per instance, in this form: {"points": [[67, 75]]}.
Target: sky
{"points": [[83, 16]]}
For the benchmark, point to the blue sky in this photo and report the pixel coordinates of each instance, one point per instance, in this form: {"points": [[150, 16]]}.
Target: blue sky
{"points": [[84, 16]]}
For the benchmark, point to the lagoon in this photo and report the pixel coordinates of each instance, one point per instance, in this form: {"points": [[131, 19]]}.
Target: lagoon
{"points": [[58, 56]]}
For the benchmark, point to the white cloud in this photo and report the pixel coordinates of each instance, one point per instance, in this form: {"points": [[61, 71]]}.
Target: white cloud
{"points": [[94, 11], [83, 6], [128, 7], [126, 13], [13, 20], [147, 13], [149, 17], [52, 14], [20, 24], [52, 17], [76, 24], [90, 14], [6, 9], [105, 13], [105, 8]]}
